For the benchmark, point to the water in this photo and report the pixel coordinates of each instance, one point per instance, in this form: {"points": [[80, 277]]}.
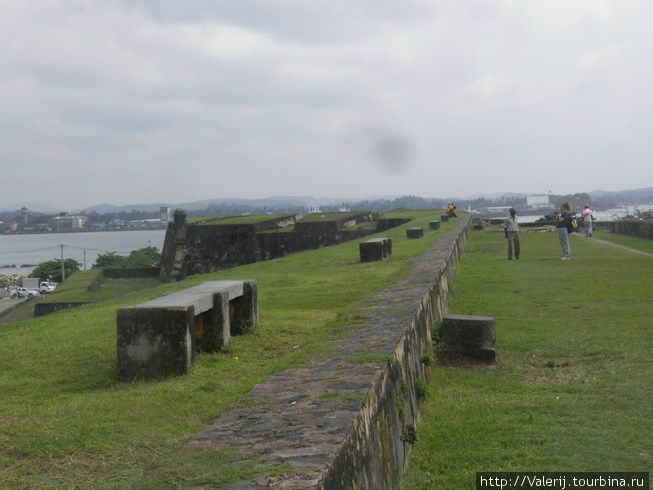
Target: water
{"points": [[19, 254]]}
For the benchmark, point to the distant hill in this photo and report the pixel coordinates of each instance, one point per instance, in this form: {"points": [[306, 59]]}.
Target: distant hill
{"points": [[270, 202], [635, 196]]}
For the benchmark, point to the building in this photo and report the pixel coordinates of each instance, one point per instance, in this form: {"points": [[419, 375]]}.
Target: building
{"points": [[64, 222], [538, 201]]}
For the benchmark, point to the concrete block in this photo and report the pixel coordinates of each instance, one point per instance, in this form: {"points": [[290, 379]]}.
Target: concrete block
{"points": [[469, 336], [444, 218], [434, 225], [154, 342], [416, 232], [375, 249], [159, 338]]}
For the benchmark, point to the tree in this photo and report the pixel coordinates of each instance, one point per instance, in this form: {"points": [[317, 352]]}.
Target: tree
{"points": [[109, 260], [143, 257], [51, 269]]}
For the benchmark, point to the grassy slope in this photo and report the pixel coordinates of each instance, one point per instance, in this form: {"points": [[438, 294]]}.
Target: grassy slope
{"points": [[571, 390], [66, 421], [629, 241]]}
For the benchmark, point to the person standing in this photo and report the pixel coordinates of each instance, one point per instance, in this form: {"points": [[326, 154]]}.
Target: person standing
{"points": [[563, 221], [512, 234], [587, 220]]}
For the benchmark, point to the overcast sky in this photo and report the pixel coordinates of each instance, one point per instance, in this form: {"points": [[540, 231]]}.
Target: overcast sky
{"points": [[137, 101]]}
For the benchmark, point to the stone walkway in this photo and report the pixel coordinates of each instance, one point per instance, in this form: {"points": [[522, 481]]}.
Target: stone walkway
{"points": [[634, 250], [8, 304], [304, 416]]}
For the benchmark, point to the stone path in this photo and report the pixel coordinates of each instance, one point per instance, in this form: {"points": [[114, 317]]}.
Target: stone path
{"points": [[8, 304], [634, 250], [304, 416]]}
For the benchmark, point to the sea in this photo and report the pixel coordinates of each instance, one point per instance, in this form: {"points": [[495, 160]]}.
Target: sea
{"points": [[20, 254]]}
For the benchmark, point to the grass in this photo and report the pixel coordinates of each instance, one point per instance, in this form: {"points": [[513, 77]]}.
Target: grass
{"points": [[66, 421], [75, 289], [245, 220], [629, 241], [413, 214], [571, 389], [316, 217]]}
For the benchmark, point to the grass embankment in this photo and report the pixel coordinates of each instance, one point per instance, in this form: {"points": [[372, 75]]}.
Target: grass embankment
{"points": [[66, 421], [571, 389], [75, 289], [626, 240]]}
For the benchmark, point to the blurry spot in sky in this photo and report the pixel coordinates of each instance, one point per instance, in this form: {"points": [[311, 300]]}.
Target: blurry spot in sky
{"points": [[392, 152]]}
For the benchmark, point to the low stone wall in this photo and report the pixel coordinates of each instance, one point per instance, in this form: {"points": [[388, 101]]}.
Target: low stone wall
{"points": [[638, 228], [42, 309], [131, 273], [348, 421]]}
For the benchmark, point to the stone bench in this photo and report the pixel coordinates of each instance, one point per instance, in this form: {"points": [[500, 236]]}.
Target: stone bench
{"points": [[159, 338], [375, 249], [444, 218], [434, 225], [469, 336], [416, 232]]}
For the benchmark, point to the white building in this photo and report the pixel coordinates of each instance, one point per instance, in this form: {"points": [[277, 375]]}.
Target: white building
{"points": [[538, 201]]}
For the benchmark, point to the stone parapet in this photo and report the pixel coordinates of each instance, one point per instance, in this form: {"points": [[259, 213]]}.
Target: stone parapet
{"points": [[348, 421]]}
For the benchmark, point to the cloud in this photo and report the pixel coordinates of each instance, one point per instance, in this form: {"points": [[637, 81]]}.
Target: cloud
{"points": [[128, 101]]}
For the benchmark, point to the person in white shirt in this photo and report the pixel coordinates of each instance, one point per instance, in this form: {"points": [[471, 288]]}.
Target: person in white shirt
{"points": [[512, 234], [587, 220]]}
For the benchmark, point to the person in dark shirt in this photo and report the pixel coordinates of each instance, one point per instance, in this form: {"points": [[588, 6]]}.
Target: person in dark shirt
{"points": [[563, 219]]}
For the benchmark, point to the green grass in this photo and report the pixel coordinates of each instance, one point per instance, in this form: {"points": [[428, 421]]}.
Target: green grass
{"points": [[571, 389], [199, 219], [316, 217], [629, 241], [249, 220], [66, 421], [413, 214], [75, 289]]}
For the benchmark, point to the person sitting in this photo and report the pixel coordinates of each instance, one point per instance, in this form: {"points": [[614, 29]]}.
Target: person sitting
{"points": [[451, 211]]}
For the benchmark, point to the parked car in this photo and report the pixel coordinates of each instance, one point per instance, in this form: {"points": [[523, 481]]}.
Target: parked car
{"points": [[24, 293], [47, 287]]}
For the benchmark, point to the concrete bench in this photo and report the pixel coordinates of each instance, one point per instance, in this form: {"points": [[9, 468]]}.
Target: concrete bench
{"points": [[444, 218], [416, 232], [375, 249], [434, 225], [469, 336], [159, 338]]}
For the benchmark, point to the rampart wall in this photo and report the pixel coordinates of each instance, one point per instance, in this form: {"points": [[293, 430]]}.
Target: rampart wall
{"points": [[638, 228], [349, 421]]}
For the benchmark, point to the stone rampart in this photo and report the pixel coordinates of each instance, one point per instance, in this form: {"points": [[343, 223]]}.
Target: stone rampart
{"points": [[207, 246], [638, 228], [348, 421]]}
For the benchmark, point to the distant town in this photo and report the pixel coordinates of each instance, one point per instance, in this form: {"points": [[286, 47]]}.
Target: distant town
{"points": [[152, 217]]}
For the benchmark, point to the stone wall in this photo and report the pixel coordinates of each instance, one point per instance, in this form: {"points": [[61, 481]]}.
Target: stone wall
{"points": [[210, 246], [638, 228], [131, 273], [348, 422]]}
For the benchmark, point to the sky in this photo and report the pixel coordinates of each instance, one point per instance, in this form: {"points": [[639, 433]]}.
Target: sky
{"points": [[141, 101]]}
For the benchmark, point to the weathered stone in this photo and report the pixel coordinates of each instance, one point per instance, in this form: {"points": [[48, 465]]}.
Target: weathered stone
{"points": [[434, 225], [159, 338], [341, 424], [416, 232], [469, 336], [375, 249], [444, 218]]}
